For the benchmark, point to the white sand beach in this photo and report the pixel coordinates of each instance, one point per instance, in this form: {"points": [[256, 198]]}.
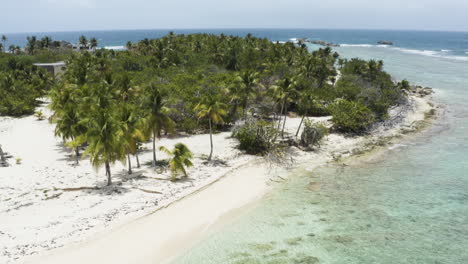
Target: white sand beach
{"points": [[131, 222]]}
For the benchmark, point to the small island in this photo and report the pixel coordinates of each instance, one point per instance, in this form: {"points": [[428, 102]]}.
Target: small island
{"points": [[385, 42], [121, 134]]}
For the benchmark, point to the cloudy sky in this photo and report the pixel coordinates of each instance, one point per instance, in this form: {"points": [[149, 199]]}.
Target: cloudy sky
{"points": [[69, 15]]}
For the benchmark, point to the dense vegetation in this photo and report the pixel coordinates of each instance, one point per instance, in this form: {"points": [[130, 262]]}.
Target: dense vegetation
{"points": [[113, 101], [21, 84]]}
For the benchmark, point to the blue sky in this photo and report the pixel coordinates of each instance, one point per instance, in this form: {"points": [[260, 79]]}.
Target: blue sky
{"points": [[70, 15]]}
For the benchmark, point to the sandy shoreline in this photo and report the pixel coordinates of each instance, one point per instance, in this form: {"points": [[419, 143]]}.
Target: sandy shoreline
{"points": [[97, 217]]}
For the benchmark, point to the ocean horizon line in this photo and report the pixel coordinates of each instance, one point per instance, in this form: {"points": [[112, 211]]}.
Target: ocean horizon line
{"points": [[236, 28]]}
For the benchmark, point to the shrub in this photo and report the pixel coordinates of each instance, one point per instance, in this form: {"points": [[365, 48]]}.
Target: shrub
{"points": [[349, 87], [312, 134], [39, 115], [351, 116], [318, 108], [256, 137], [20, 84], [188, 125]]}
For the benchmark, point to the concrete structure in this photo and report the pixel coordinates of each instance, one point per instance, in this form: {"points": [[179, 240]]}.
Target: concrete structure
{"points": [[55, 68]]}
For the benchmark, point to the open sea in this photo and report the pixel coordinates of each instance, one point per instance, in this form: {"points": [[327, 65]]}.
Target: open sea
{"points": [[409, 207]]}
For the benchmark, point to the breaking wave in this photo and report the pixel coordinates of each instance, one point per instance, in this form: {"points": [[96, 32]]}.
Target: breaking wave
{"points": [[115, 48], [431, 53]]}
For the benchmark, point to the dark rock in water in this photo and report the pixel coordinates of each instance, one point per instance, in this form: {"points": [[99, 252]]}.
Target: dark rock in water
{"points": [[385, 42], [307, 260], [324, 43], [421, 91]]}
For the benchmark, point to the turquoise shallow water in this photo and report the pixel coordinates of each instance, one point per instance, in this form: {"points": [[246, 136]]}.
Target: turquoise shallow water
{"points": [[410, 207]]}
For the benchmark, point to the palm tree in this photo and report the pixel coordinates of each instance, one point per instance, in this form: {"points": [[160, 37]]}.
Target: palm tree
{"points": [[306, 101], [131, 119], [93, 43], [214, 110], [46, 41], [285, 88], [341, 62], [157, 117], [247, 81], [129, 45], [4, 40], [104, 135], [83, 41], [132, 132], [180, 159], [12, 49], [31, 46], [234, 92], [1, 47], [67, 116]]}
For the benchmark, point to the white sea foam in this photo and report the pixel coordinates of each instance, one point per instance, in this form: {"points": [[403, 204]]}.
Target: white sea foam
{"points": [[358, 45], [431, 53], [396, 146], [294, 40], [115, 47]]}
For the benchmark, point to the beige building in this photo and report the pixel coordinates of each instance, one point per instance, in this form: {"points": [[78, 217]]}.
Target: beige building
{"points": [[55, 68]]}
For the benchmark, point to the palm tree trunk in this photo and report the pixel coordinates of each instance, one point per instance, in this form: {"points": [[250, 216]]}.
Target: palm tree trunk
{"points": [[300, 124], [108, 173], [234, 111], [244, 107], [129, 162], [77, 155], [280, 117], [2, 156], [211, 141], [137, 159], [154, 148], [285, 115]]}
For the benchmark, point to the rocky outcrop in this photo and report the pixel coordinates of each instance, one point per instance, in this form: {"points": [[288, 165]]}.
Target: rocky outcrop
{"points": [[421, 91], [385, 42], [323, 43]]}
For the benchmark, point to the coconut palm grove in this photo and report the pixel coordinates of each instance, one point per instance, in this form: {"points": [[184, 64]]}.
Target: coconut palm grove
{"points": [[106, 102]]}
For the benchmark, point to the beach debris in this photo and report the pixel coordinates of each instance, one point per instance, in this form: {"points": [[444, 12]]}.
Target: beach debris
{"points": [[3, 158], [148, 191], [53, 196], [385, 42]]}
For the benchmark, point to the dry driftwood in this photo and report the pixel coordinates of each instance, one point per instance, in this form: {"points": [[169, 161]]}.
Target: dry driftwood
{"points": [[74, 189], [3, 157], [147, 191]]}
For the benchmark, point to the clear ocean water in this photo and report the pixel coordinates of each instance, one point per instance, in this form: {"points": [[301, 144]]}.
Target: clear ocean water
{"points": [[409, 207], [430, 43]]}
